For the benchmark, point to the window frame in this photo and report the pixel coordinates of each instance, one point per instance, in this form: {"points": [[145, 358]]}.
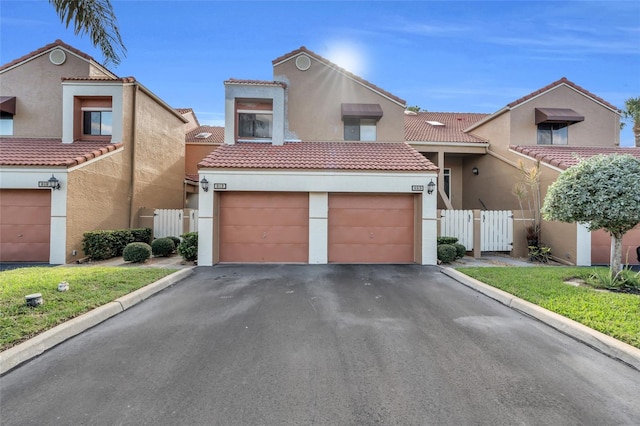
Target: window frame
{"points": [[446, 177], [90, 111], [6, 121], [556, 133], [353, 129], [254, 112]]}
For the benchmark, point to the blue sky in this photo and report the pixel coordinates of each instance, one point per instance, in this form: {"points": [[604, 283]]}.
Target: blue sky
{"points": [[450, 56]]}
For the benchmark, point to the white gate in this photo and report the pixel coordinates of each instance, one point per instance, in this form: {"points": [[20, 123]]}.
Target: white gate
{"points": [[496, 228], [496, 232], [459, 224], [174, 222]]}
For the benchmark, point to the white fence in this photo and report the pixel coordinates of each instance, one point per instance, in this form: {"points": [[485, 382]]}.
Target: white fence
{"points": [[496, 228], [459, 224], [496, 232], [174, 222]]}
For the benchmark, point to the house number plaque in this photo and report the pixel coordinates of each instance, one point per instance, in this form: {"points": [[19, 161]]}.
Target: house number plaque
{"points": [[219, 186], [417, 187]]}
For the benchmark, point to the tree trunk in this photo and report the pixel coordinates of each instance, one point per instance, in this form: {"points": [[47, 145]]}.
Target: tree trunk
{"points": [[636, 133], [616, 255]]}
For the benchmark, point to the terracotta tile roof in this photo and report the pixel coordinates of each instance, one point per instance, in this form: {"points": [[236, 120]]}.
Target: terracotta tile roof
{"points": [[50, 152], [564, 157], [216, 135], [563, 80], [416, 128], [192, 178], [327, 62], [184, 110], [397, 156], [100, 78], [255, 82], [57, 43]]}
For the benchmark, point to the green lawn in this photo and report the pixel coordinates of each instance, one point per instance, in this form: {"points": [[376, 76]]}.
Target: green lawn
{"points": [[89, 287], [614, 314]]}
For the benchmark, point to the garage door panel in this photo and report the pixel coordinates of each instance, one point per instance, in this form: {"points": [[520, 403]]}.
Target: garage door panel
{"points": [[371, 228], [266, 216], [25, 225], [264, 227], [390, 235]]}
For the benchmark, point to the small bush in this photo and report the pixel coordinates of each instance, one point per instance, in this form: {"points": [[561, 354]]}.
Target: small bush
{"points": [[99, 245], [136, 252], [539, 254], [176, 241], [461, 250], [447, 240], [121, 237], [142, 235], [446, 253], [162, 247], [188, 248]]}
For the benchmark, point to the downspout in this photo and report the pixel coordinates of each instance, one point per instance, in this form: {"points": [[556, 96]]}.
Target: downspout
{"points": [[132, 176]]}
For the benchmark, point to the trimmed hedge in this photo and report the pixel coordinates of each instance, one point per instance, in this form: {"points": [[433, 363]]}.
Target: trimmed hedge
{"points": [[461, 250], [447, 240], [188, 248], [101, 245], [176, 241], [136, 252], [446, 253], [162, 247]]}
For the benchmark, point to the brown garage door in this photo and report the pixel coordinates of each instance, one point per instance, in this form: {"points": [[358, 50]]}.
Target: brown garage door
{"points": [[25, 223], [264, 227], [370, 228]]}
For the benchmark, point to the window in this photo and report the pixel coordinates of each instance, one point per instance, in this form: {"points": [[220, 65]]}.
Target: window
{"points": [[359, 129], [6, 124], [97, 123], [553, 133], [255, 124], [447, 182]]}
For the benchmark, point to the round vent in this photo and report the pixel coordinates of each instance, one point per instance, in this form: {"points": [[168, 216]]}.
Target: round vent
{"points": [[303, 62], [57, 57]]}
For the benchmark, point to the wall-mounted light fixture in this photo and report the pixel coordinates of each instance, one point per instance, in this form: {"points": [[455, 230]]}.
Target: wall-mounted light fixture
{"points": [[475, 171], [431, 187], [52, 183], [205, 184]]}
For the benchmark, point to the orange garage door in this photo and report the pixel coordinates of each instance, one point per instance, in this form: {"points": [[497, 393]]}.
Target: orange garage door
{"points": [[25, 223], [264, 227], [371, 228]]}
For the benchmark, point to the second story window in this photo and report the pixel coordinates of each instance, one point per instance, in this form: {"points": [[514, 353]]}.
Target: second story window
{"points": [[359, 129], [6, 124], [553, 134], [97, 123], [255, 124]]}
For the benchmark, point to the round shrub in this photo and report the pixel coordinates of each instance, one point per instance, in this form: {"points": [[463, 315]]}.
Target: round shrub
{"points": [[460, 249], [136, 252], [176, 241], [188, 248], [446, 240], [446, 253], [162, 247]]}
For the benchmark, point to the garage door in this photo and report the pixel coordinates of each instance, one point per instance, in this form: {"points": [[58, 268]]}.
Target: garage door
{"points": [[369, 228], [25, 222], [264, 227], [601, 247]]}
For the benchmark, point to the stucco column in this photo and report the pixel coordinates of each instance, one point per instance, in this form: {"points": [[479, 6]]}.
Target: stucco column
{"points": [[583, 245], [429, 229], [205, 225], [477, 234], [318, 227]]}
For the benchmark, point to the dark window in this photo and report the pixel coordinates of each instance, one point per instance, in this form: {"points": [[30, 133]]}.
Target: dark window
{"points": [[447, 182], [254, 125], [6, 124], [359, 129], [553, 133], [97, 123]]}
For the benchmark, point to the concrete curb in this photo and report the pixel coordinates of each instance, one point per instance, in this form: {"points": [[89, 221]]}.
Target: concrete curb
{"points": [[30, 349], [599, 341]]}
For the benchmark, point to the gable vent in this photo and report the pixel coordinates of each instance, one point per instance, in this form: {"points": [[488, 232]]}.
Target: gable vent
{"points": [[57, 57], [303, 62]]}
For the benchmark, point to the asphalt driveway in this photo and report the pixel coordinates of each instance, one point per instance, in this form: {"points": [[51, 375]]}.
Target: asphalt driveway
{"points": [[326, 345]]}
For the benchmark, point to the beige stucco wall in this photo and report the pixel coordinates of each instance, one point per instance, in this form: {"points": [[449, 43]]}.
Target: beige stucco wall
{"points": [[36, 84], [196, 153], [314, 99], [159, 154], [98, 198]]}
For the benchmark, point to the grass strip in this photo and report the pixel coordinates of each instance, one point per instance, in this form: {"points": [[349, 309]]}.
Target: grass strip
{"points": [[614, 314], [89, 287]]}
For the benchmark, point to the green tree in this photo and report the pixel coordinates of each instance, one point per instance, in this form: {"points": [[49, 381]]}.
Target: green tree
{"points": [[96, 18], [602, 192], [415, 108], [632, 112]]}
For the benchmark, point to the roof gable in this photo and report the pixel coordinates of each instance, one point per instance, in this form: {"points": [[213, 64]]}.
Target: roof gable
{"points": [[303, 50], [49, 47]]}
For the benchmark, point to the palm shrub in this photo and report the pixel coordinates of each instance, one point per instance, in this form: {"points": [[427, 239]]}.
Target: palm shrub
{"points": [[162, 247], [136, 252], [188, 248]]}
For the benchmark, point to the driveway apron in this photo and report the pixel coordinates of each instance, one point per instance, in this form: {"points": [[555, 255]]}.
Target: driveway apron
{"points": [[322, 345]]}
